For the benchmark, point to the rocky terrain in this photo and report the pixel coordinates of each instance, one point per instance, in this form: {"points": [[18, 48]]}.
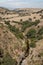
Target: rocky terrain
{"points": [[21, 36]]}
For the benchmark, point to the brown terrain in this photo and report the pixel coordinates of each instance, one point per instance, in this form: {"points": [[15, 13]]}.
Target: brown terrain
{"points": [[21, 36]]}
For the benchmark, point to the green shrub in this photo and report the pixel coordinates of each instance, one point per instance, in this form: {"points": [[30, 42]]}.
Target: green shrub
{"points": [[33, 44], [7, 22], [31, 33], [20, 35], [39, 37], [36, 22], [40, 31]]}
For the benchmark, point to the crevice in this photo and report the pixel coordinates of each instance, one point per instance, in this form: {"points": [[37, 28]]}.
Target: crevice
{"points": [[26, 52], [1, 53]]}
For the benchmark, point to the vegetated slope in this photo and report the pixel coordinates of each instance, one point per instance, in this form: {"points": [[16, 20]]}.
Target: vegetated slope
{"points": [[21, 42]]}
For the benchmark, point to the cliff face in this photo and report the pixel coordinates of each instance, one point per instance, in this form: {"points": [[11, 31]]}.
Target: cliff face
{"points": [[21, 37]]}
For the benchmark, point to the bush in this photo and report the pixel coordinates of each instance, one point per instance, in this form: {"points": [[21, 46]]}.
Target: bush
{"points": [[34, 17], [30, 19], [31, 33], [20, 35], [39, 37], [7, 22], [21, 20], [32, 44], [36, 22], [40, 31]]}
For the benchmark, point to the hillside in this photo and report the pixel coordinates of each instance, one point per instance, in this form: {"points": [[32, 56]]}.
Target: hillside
{"points": [[21, 36]]}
